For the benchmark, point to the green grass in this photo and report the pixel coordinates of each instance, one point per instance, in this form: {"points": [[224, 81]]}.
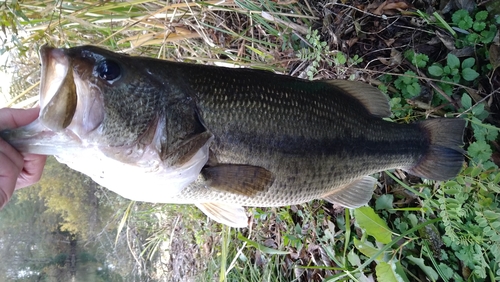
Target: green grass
{"points": [[445, 231]]}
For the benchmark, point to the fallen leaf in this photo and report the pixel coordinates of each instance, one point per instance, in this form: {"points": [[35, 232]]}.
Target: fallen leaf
{"points": [[393, 8], [454, 5], [389, 42], [448, 41], [352, 41], [494, 56], [388, 8], [395, 60], [380, 8]]}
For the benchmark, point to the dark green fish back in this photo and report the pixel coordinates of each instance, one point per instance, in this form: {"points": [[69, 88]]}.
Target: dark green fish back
{"points": [[286, 112], [292, 115]]}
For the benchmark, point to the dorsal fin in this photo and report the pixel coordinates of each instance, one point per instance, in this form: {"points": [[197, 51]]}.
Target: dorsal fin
{"points": [[373, 100]]}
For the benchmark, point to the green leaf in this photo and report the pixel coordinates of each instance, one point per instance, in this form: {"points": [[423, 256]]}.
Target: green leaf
{"points": [[479, 26], [446, 270], [341, 58], [431, 273], [418, 59], [468, 63], [374, 226], [353, 258], [413, 89], [436, 70], [384, 202], [469, 74], [399, 84], [462, 19], [480, 151], [413, 219], [481, 16], [472, 38], [497, 178], [421, 60], [447, 69], [387, 272], [466, 101], [488, 35], [452, 61], [401, 272], [367, 249], [479, 111]]}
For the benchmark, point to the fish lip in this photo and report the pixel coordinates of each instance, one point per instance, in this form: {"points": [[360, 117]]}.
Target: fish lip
{"points": [[54, 68]]}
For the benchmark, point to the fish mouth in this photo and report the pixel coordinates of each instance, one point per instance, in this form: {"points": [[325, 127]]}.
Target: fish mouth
{"points": [[58, 96], [69, 108]]}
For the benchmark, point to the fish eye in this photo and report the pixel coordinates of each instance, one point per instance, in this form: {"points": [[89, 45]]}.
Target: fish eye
{"points": [[108, 70]]}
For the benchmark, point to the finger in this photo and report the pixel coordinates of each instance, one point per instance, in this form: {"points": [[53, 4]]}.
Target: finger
{"points": [[12, 163], [32, 171], [11, 155], [13, 118]]}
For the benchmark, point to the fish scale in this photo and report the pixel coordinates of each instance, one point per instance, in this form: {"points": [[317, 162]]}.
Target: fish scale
{"points": [[224, 138]]}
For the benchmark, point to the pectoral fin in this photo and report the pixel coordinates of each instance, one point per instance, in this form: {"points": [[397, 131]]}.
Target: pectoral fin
{"points": [[354, 194], [244, 180], [185, 151], [231, 215]]}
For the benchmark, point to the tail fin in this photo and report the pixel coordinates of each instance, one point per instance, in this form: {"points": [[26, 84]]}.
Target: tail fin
{"points": [[444, 159]]}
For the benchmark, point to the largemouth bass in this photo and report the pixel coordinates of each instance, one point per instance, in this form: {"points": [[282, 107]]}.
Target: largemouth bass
{"points": [[220, 138]]}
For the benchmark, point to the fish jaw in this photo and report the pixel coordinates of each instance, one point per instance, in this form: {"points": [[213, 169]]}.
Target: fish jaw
{"points": [[36, 138]]}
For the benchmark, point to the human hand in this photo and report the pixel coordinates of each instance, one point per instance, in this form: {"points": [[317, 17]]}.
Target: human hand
{"points": [[17, 170]]}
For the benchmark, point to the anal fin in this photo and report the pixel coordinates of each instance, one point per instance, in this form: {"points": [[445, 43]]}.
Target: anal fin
{"points": [[354, 194], [231, 215], [238, 179]]}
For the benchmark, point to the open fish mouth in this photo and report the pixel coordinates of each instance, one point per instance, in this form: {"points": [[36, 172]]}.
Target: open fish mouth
{"points": [[58, 97], [65, 115]]}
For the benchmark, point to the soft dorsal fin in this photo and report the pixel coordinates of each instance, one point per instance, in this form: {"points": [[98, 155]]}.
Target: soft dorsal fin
{"points": [[373, 100]]}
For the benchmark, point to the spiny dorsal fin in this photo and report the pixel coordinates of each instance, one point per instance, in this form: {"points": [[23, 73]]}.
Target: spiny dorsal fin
{"points": [[231, 215], [354, 194], [244, 180], [373, 100]]}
